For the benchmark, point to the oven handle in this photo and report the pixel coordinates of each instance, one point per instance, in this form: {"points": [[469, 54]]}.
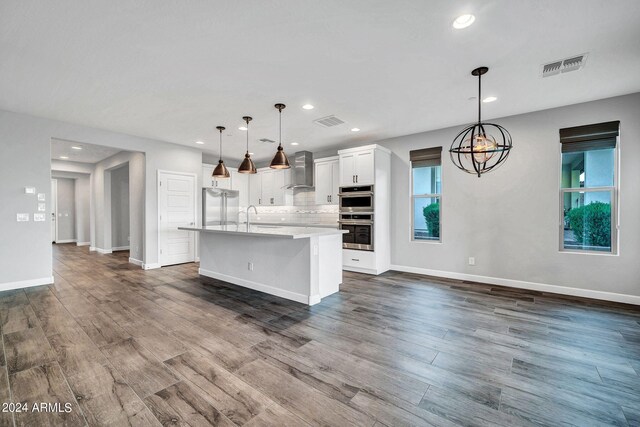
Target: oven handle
{"points": [[356, 222], [356, 194]]}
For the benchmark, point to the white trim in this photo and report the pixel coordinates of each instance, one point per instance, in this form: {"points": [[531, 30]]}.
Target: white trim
{"points": [[136, 261], [294, 296], [361, 270], [103, 251], [120, 248], [83, 244], [364, 147], [195, 209], [151, 266], [92, 248], [26, 283], [533, 286], [66, 241]]}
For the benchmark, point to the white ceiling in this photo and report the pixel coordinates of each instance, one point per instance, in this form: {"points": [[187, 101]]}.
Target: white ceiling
{"points": [[174, 70], [88, 154]]}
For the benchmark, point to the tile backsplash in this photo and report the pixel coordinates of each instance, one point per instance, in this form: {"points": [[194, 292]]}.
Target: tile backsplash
{"points": [[304, 211]]}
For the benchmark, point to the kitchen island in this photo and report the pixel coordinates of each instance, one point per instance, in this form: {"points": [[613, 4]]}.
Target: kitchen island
{"points": [[303, 264]]}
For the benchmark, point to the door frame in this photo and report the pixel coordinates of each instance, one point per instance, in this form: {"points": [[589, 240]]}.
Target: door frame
{"points": [[159, 173], [54, 207]]}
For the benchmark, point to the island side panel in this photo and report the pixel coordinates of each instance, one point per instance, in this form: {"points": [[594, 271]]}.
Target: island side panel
{"points": [[281, 267], [330, 261]]}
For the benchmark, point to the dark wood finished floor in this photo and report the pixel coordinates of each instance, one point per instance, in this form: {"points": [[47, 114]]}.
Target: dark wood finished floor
{"points": [[166, 347]]}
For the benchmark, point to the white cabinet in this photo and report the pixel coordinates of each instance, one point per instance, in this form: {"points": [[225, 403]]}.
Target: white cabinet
{"points": [[240, 183], [282, 196], [327, 180], [357, 168], [267, 188], [209, 181], [255, 189]]}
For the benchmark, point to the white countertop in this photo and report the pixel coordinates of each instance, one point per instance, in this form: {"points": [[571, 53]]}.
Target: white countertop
{"points": [[268, 231]]}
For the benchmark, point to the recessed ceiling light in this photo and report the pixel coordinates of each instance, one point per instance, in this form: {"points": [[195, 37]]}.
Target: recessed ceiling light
{"points": [[64, 157], [307, 107], [242, 128], [294, 143], [199, 142], [76, 147], [355, 129], [463, 21], [489, 99]]}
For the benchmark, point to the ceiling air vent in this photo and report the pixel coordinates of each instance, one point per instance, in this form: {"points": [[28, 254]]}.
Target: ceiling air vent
{"points": [[270, 141], [328, 121], [564, 65]]}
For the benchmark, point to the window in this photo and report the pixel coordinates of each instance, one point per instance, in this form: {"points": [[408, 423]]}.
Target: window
{"points": [[425, 194], [588, 188]]}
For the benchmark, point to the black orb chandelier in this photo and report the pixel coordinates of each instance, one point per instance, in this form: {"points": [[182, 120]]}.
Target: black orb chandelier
{"points": [[475, 150]]}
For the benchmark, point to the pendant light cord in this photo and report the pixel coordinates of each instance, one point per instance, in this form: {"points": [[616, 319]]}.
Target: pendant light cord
{"points": [[280, 143], [479, 96], [247, 136], [220, 144]]}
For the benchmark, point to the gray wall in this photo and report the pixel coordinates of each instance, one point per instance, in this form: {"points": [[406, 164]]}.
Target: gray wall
{"points": [[25, 248], [120, 207], [66, 221], [83, 216], [509, 219]]}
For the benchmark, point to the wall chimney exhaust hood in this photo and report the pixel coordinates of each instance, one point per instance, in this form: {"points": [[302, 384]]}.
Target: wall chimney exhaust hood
{"points": [[302, 170]]}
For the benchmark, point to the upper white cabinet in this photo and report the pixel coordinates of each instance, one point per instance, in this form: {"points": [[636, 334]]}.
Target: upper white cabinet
{"points": [[240, 183], [357, 167], [327, 180], [210, 181], [267, 188]]}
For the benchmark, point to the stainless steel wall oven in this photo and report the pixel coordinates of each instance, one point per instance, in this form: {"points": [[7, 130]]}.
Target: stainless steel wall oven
{"points": [[356, 216]]}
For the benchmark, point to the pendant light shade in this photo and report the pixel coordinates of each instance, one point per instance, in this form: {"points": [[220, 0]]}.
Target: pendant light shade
{"points": [[221, 170], [280, 160], [247, 165], [475, 150]]}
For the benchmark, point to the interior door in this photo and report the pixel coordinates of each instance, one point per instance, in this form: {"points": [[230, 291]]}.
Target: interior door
{"points": [[347, 170], [177, 203], [53, 204], [364, 167]]}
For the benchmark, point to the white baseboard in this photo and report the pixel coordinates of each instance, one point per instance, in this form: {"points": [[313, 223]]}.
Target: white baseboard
{"points": [[120, 248], [92, 248], [103, 251], [135, 261], [151, 266], [26, 283], [83, 244], [294, 296], [532, 286], [66, 241], [362, 270]]}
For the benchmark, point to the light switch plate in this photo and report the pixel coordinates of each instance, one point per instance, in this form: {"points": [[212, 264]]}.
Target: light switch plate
{"points": [[42, 197], [22, 217], [39, 217], [42, 207], [29, 190]]}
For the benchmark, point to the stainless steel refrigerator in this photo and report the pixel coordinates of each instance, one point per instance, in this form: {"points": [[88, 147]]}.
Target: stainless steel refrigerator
{"points": [[220, 207]]}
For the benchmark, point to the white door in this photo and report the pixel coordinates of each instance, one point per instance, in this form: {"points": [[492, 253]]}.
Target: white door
{"points": [[323, 184], [347, 170], [364, 167], [177, 203], [335, 182], [53, 204]]}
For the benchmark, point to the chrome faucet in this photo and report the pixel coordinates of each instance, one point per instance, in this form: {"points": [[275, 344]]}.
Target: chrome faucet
{"points": [[248, 218]]}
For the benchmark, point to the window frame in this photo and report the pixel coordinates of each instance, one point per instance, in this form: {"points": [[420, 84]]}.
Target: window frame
{"points": [[614, 190], [412, 199]]}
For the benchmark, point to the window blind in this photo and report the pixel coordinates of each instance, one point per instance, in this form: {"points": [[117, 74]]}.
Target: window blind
{"points": [[590, 137], [425, 157]]}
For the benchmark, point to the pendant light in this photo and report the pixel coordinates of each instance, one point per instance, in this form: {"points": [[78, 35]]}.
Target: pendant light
{"points": [[280, 160], [474, 150], [221, 170], [247, 165]]}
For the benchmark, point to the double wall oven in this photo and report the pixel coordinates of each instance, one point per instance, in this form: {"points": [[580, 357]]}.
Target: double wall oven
{"points": [[356, 216]]}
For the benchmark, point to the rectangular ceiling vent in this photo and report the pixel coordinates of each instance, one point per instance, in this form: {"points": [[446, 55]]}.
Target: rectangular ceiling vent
{"points": [[564, 65], [270, 141], [328, 121]]}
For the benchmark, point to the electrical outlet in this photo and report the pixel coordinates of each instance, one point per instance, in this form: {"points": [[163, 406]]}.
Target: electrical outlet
{"points": [[472, 261], [250, 266]]}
